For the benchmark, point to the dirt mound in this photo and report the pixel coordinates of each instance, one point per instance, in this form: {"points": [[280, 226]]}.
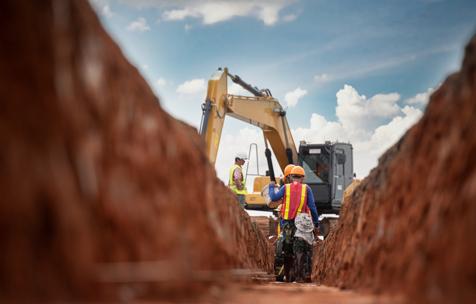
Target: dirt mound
{"points": [[409, 226], [104, 195]]}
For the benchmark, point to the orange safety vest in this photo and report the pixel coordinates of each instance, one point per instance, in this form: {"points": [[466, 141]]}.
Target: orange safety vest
{"points": [[295, 200]]}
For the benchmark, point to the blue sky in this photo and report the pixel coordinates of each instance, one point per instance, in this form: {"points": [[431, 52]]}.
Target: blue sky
{"points": [[311, 48]]}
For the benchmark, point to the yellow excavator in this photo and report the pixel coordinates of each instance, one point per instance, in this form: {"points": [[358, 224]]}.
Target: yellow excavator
{"points": [[328, 166]]}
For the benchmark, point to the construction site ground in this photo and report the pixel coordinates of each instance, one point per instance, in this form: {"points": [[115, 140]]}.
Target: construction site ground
{"points": [[291, 293]]}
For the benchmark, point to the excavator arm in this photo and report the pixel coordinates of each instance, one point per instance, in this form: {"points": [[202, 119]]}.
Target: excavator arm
{"points": [[261, 110]]}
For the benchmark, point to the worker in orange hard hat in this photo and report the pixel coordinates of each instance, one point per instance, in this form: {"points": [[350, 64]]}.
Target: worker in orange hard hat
{"points": [[298, 196], [287, 172], [282, 181], [297, 199]]}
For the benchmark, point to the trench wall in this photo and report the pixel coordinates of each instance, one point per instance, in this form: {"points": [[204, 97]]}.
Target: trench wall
{"points": [[103, 194], [409, 227]]}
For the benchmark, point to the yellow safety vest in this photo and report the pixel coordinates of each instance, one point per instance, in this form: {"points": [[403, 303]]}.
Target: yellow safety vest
{"points": [[231, 181]]}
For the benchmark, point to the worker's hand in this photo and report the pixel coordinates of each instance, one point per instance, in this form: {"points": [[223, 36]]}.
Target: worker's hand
{"points": [[316, 231]]}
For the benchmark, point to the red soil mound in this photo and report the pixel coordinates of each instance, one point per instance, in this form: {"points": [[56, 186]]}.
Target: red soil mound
{"points": [[409, 226], [99, 185]]}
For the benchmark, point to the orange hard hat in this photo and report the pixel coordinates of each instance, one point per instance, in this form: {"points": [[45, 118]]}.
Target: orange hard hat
{"points": [[298, 170], [288, 169]]}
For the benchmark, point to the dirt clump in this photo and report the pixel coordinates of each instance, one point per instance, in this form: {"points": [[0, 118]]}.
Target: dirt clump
{"points": [[408, 226], [104, 195]]}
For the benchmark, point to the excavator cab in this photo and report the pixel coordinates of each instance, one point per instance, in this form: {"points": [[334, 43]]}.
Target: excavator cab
{"points": [[329, 170]]}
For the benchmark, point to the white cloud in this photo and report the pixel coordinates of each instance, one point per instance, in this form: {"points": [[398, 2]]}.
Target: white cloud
{"points": [[194, 86], [292, 98], [107, 12], [161, 82], [355, 124], [386, 135], [356, 111], [214, 11], [235, 89], [369, 141], [321, 78], [290, 17], [139, 25], [420, 99], [102, 8]]}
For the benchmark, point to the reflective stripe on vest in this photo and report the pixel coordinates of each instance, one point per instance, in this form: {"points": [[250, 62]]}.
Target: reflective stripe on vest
{"points": [[303, 196], [287, 203], [231, 181]]}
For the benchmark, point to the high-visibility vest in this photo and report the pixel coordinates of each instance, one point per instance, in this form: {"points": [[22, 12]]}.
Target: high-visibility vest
{"points": [[231, 181], [295, 200]]}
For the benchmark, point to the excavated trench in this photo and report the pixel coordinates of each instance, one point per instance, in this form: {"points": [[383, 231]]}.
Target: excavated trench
{"points": [[106, 197]]}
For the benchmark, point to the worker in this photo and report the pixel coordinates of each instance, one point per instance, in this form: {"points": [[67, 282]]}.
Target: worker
{"points": [[287, 171], [302, 247], [236, 180], [298, 198], [282, 181]]}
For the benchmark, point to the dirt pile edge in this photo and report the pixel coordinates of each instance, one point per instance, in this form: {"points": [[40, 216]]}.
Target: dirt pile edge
{"points": [[104, 195], [409, 226]]}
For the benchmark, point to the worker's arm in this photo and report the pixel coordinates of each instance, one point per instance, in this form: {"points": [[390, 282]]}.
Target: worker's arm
{"points": [[237, 176], [278, 195], [312, 206]]}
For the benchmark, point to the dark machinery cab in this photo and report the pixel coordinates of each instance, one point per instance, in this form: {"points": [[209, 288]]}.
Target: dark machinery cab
{"points": [[329, 170]]}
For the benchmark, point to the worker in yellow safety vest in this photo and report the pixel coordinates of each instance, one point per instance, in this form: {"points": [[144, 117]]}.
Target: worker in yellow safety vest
{"points": [[236, 180]]}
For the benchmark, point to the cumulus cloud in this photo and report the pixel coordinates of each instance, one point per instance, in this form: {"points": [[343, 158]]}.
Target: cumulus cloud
{"points": [[292, 98], [420, 99], [194, 86], [356, 111], [214, 11], [369, 140], [138, 25], [355, 124]]}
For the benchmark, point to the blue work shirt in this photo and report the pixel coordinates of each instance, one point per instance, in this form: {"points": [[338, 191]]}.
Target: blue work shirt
{"points": [[310, 200]]}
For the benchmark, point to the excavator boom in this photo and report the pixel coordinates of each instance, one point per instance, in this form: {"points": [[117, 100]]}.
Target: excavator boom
{"points": [[261, 110]]}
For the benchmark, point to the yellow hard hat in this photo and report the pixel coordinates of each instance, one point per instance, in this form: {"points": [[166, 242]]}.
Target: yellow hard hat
{"points": [[288, 169], [298, 170]]}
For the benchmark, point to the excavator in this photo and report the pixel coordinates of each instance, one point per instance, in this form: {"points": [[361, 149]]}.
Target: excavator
{"points": [[328, 166]]}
